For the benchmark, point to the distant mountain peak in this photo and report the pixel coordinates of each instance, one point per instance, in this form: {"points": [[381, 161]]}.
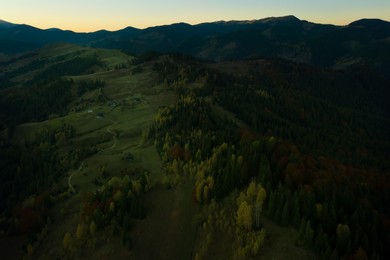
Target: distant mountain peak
{"points": [[286, 18], [177, 25], [369, 22], [263, 20], [280, 18], [2, 22], [53, 29], [6, 25]]}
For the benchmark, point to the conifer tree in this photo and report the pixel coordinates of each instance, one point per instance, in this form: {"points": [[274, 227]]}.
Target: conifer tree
{"points": [[308, 238], [285, 214], [343, 237]]}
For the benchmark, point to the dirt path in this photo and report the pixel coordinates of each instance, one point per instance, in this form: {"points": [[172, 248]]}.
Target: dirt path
{"points": [[167, 232], [108, 129], [113, 136], [70, 186]]}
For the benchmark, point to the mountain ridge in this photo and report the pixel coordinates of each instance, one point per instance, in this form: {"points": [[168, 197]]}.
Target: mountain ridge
{"points": [[261, 20], [5, 24], [364, 41]]}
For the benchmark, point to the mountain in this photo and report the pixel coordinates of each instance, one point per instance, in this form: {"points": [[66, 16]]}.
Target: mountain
{"points": [[6, 25], [30, 37], [363, 42]]}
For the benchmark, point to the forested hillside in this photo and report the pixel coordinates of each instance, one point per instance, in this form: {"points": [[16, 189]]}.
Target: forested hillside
{"points": [[108, 155], [316, 140]]}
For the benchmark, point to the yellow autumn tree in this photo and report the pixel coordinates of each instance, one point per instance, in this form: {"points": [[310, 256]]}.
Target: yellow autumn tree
{"points": [[319, 210], [360, 254], [343, 236], [80, 232], [92, 227], [244, 215], [206, 193], [118, 195], [112, 206], [251, 191], [67, 241], [30, 250], [137, 187], [259, 242], [199, 183], [261, 196]]}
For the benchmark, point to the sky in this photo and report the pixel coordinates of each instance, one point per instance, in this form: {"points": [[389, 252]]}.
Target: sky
{"points": [[93, 15]]}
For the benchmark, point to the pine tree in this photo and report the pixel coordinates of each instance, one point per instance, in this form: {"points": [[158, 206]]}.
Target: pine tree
{"points": [[321, 243], [120, 216], [334, 255], [309, 233], [114, 230], [264, 170], [271, 207], [296, 216], [124, 238], [129, 242], [98, 217], [126, 223], [279, 201], [285, 214], [278, 214], [343, 238], [302, 228]]}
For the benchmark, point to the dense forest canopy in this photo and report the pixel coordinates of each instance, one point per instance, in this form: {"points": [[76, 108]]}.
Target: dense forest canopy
{"points": [[322, 157]]}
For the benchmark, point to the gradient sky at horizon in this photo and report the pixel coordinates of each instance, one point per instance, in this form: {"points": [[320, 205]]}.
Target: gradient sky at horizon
{"points": [[87, 15]]}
